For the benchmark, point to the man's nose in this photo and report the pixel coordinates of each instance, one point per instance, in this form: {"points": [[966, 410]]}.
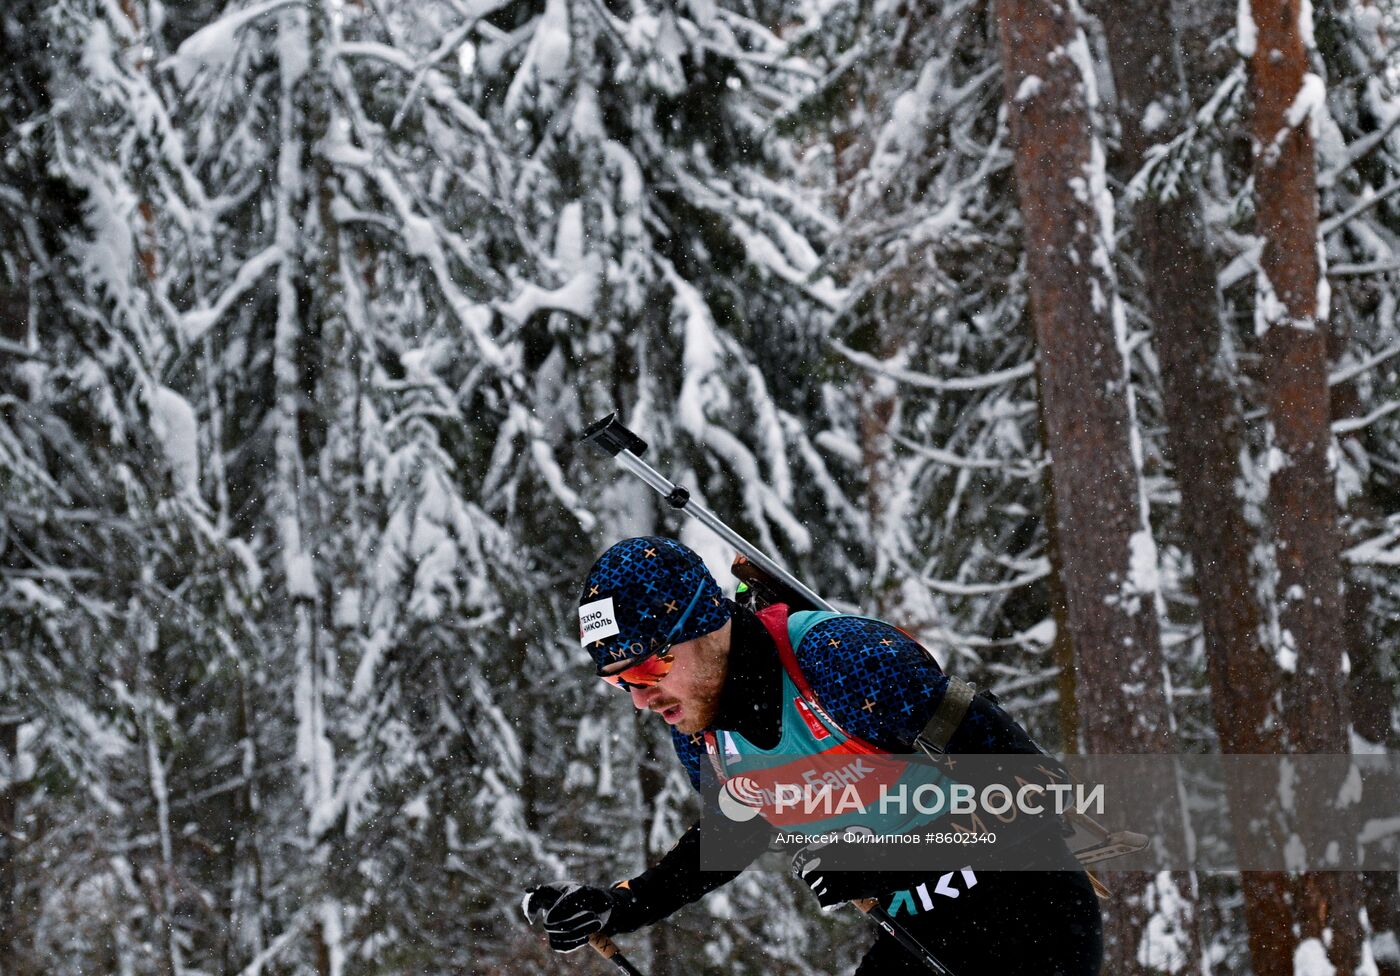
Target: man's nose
{"points": [[641, 697]]}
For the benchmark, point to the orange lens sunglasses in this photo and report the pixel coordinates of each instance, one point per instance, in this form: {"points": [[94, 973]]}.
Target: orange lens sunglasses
{"points": [[644, 674]]}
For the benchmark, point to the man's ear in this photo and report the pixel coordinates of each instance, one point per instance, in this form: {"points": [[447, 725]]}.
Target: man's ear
{"points": [[723, 641]]}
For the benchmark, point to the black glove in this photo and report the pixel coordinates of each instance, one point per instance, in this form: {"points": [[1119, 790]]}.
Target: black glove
{"points": [[571, 912]]}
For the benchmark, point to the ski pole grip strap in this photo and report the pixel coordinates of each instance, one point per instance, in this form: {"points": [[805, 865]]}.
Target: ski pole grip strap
{"points": [[948, 715]]}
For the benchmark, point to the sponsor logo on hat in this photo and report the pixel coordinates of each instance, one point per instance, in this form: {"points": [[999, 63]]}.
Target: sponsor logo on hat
{"points": [[596, 621]]}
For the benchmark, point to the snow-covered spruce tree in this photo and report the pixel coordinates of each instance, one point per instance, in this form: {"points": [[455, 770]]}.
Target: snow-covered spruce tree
{"points": [[383, 261], [27, 538], [382, 246], [113, 560], [197, 671], [658, 196]]}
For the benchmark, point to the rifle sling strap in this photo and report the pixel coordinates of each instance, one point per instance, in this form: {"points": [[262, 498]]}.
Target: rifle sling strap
{"points": [[948, 715]]}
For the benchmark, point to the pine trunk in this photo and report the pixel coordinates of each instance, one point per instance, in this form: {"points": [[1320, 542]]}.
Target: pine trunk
{"points": [[1106, 551], [879, 404], [1371, 688], [1062, 650], [1205, 434], [1302, 496]]}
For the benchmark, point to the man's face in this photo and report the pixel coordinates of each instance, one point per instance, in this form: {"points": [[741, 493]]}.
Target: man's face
{"points": [[688, 696]]}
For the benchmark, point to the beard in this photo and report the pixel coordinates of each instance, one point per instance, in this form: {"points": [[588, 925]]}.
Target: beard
{"points": [[699, 712], [700, 691]]}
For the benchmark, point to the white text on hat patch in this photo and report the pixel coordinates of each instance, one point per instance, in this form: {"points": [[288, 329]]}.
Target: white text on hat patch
{"points": [[597, 620]]}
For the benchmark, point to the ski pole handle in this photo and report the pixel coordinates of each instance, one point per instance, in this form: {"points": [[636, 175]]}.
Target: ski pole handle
{"points": [[608, 949]]}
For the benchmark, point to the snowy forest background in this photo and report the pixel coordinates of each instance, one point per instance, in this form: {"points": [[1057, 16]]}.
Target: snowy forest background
{"points": [[1003, 321]]}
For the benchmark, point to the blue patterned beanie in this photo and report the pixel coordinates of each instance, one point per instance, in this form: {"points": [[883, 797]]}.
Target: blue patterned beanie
{"points": [[644, 595]]}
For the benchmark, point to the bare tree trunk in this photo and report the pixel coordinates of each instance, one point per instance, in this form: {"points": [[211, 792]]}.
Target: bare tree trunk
{"points": [[1105, 548], [1302, 494], [292, 502], [1062, 650], [9, 841], [148, 253], [879, 407], [878, 397], [1205, 434], [1370, 688]]}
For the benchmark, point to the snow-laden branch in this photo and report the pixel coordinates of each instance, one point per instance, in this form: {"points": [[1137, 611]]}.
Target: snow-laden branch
{"points": [[702, 353], [1039, 570], [924, 381], [545, 61], [1354, 370], [424, 75], [194, 323], [373, 49], [1381, 550], [213, 44], [542, 454], [1360, 149], [952, 460], [1242, 265], [1358, 270], [763, 252], [8, 348], [420, 236], [1360, 207], [147, 109], [1039, 636], [953, 588], [836, 500], [577, 297], [1353, 424], [445, 48], [275, 947], [1173, 154], [778, 248]]}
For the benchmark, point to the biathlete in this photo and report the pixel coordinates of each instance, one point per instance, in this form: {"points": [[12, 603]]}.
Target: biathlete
{"points": [[737, 686]]}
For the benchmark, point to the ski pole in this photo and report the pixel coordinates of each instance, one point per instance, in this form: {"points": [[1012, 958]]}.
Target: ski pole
{"points": [[608, 949], [882, 918], [610, 436]]}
